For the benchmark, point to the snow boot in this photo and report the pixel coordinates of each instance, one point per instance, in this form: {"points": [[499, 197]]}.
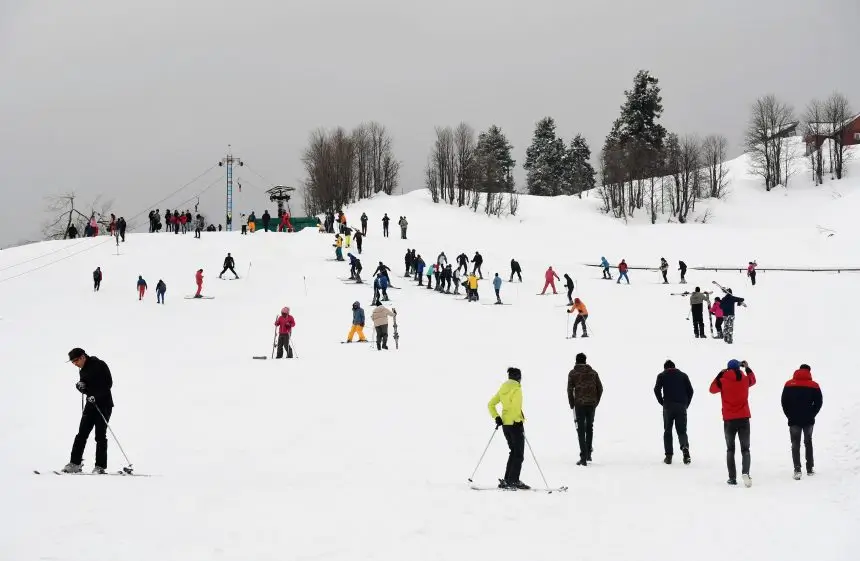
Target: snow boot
{"points": [[797, 474], [99, 470], [810, 471], [668, 459], [72, 468], [582, 462], [747, 480], [585, 334], [732, 481], [686, 452]]}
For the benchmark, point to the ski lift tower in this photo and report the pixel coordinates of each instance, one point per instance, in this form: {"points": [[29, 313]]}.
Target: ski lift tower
{"points": [[228, 161], [280, 195]]}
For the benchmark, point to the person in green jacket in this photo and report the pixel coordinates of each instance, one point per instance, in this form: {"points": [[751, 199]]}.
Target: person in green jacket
{"points": [[510, 395]]}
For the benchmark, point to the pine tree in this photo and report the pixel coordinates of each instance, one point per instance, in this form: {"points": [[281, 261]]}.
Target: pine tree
{"points": [[637, 127], [545, 160], [495, 162], [578, 171]]}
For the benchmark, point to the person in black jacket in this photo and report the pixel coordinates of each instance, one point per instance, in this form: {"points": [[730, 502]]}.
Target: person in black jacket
{"points": [[228, 265], [801, 402], [122, 225], [478, 260], [95, 383], [463, 261], [97, 279], [516, 270], [674, 392], [727, 304]]}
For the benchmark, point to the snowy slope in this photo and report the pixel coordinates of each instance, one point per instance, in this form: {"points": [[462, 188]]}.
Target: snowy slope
{"points": [[347, 453]]}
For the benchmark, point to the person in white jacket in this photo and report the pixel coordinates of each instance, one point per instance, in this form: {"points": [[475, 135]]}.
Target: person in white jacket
{"points": [[380, 317]]}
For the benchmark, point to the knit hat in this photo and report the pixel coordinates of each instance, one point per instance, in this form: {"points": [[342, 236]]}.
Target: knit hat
{"points": [[734, 364], [514, 374], [668, 364], [580, 358]]}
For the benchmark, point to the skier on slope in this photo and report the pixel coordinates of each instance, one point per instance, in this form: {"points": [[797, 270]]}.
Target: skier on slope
{"points": [[683, 268], [581, 316], [549, 280], [382, 269], [430, 269], [380, 317], [363, 225], [446, 278], [455, 277], [516, 270], [354, 268], [97, 279], [472, 288], [380, 286], [407, 262], [442, 259], [198, 278], [568, 282], [160, 290], [697, 300], [437, 274], [385, 221], [95, 382], [229, 263], [716, 310], [727, 304], [338, 247], [357, 323], [605, 264], [622, 272], [664, 269], [751, 271], [801, 402], [403, 224], [497, 285], [510, 395], [478, 260], [674, 392], [359, 238], [141, 287], [418, 265], [463, 261], [733, 385], [584, 392], [285, 324]]}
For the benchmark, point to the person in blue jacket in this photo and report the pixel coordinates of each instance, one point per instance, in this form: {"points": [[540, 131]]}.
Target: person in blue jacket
{"points": [[380, 284], [605, 264], [419, 270], [354, 267], [727, 305], [497, 285]]}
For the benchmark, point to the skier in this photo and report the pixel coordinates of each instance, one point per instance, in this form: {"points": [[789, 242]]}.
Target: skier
{"points": [[717, 311], [198, 227], [418, 265], [97, 279], [357, 324], [581, 316], [198, 278], [363, 225], [141, 287], [160, 290], [697, 299], [385, 221], [122, 225], [403, 224], [622, 272], [472, 288], [446, 278], [477, 260], [734, 385], [442, 259], [605, 264], [380, 285], [266, 217], [727, 304], [463, 261], [348, 236], [437, 274], [801, 402], [382, 269], [751, 271], [95, 383], [380, 324], [664, 269], [674, 392], [285, 225], [408, 262], [430, 270], [228, 264], [354, 268], [285, 324], [455, 276], [359, 236], [683, 268], [510, 395], [337, 245], [549, 280], [497, 285], [584, 391], [568, 282], [515, 270]]}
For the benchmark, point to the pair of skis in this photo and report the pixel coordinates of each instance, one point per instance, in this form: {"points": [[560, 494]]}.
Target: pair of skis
{"points": [[547, 490], [122, 473]]}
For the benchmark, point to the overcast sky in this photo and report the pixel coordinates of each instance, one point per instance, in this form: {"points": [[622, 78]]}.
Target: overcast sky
{"points": [[98, 97]]}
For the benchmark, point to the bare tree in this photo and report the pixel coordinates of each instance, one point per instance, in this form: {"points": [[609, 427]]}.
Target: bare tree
{"points": [[814, 130], [837, 112], [431, 179], [66, 213], [765, 139], [714, 149], [685, 166], [513, 203], [464, 148]]}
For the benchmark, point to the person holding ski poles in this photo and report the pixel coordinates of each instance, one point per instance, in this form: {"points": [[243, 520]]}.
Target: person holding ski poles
{"points": [[510, 395], [605, 264], [622, 272], [549, 277], [95, 383], [515, 270], [285, 324], [581, 316]]}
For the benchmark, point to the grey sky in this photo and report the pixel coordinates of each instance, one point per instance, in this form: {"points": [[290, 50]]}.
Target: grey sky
{"points": [[102, 98]]}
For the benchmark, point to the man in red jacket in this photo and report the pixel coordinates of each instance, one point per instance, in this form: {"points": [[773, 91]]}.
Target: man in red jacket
{"points": [[733, 385]]}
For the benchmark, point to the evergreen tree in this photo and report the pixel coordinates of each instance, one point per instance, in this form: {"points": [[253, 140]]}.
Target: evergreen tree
{"points": [[495, 162], [637, 128], [545, 160], [578, 171]]}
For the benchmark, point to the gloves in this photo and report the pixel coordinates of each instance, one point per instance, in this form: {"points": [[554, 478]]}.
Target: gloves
{"points": [[570, 311], [498, 421], [82, 387], [394, 310], [744, 364], [91, 399]]}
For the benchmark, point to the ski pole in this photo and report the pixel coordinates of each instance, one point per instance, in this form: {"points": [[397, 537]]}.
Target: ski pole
{"points": [[484, 454], [274, 342], [536, 462], [292, 348], [305, 279], [567, 327], [688, 314], [125, 469], [247, 276]]}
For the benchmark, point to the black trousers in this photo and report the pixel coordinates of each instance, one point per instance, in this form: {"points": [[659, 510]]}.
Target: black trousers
{"points": [[718, 325], [739, 428], [517, 273], [229, 269], [96, 285], [90, 419], [569, 294], [584, 415], [698, 320], [580, 318], [796, 432], [752, 277], [284, 344], [606, 273], [385, 230], [665, 280], [516, 436], [674, 414], [381, 337], [477, 269], [465, 267], [364, 228]]}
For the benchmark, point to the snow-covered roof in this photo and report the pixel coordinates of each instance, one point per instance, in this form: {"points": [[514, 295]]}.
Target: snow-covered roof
{"points": [[788, 127], [826, 129]]}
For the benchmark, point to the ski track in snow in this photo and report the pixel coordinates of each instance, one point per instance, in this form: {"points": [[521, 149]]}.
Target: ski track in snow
{"points": [[346, 454]]}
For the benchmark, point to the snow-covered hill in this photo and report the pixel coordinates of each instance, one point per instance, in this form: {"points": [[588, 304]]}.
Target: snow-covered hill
{"points": [[348, 453]]}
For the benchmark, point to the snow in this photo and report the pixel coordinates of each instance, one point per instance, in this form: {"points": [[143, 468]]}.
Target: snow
{"points": [[348, 453]]}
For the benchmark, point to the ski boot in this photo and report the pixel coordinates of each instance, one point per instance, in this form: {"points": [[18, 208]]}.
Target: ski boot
{"points": [[686, 452], [99, 470], [503, 484], [747, 480], [810, 471], [520, 485], [668, 459], [72, 468]]}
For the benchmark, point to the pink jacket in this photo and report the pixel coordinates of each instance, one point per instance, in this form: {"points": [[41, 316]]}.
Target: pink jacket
{"points": [[285, 324], [750, 268], [549, 275], [199, 278], [716, 310]]}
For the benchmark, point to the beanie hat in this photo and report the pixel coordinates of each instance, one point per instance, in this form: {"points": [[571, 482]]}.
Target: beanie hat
{"points": [[580, 358], [668, 364], [805, 366], [734, 364], [514, 374]]}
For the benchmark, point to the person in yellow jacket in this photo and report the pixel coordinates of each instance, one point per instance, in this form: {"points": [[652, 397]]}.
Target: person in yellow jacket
{"points": [[338, 245], [581, 316], [472, 285], [510, 395]]}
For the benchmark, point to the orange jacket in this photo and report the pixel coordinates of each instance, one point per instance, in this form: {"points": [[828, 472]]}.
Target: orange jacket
{"points": [[579, 307]]}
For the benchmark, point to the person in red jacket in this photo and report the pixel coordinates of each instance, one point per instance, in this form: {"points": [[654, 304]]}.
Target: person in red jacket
{"points": [[733, 385], [801, 402], [549, 280], [199, 278], [285, 324], [622, 272]]}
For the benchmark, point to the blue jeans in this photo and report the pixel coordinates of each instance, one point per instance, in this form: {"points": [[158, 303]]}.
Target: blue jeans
{"points": [[622, 276], [159, 297]]}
